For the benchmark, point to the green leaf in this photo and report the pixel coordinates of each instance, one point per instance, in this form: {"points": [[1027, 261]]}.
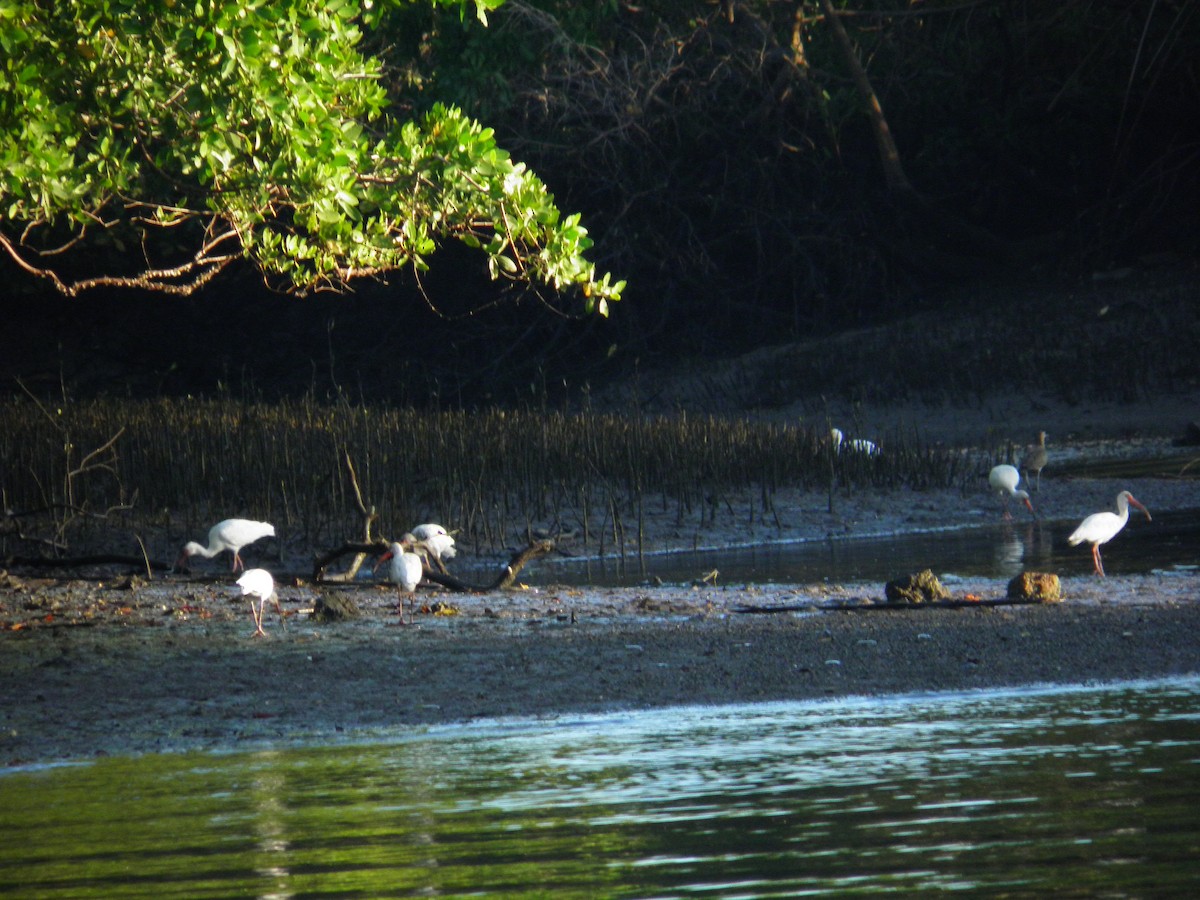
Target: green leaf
{"points": [[269, 117]]}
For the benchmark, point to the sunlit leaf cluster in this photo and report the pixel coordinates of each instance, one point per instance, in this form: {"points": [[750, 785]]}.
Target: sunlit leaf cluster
{"points": [[221, 129]]}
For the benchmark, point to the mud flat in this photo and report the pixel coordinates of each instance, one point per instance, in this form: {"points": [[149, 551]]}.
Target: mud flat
{"points": [[170, 680]]}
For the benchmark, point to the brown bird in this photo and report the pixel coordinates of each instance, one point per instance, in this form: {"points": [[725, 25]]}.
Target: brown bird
{"points": [[1035, 461]]}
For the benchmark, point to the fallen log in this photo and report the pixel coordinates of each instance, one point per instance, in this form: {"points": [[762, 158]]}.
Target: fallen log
{"points": [[503, 581], [359, 549]]}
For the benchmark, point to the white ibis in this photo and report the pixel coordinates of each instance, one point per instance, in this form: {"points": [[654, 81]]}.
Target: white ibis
{"points": [[1004, 480], [232, 535], [259, 583], [437, 541], [1035, 460], [406, 568], [1100, 528], [857, 445]]}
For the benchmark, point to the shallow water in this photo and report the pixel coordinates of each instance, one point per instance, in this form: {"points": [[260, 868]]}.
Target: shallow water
{"points": [[1059, 791], [1000, 550]]}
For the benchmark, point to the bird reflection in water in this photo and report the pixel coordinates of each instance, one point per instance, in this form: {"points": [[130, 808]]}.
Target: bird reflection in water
{"points": [[1009, 553], [1021, 547]]}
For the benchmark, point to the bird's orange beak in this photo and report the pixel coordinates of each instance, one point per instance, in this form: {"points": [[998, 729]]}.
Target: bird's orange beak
{"points": [[1142, 508], [379, 562]]}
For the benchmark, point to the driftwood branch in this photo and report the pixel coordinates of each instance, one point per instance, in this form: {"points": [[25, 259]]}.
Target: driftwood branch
{"points": [[367, 547], [504, 580], [359, 549], [507, 576], [373, 546]]}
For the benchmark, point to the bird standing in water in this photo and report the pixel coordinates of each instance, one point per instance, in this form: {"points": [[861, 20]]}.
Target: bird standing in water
{"points": [[259, 583], [232, 535], [1035, 461], [1004, 480], [1100, 528]]}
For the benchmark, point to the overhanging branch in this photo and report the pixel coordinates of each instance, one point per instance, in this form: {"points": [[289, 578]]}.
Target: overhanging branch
{"points": [[180, 280]]}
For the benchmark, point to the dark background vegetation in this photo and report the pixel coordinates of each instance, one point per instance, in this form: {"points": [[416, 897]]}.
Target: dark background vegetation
{"points": [[724, 165]]}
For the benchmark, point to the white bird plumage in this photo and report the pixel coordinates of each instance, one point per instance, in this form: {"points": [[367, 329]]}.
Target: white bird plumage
{"points": [[1004, 480], [437, 541], [857, 445], [1100, 528], [259, 583], [230, 534], [406, 568]]}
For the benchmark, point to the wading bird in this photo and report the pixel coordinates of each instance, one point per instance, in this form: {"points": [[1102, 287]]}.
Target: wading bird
{"points": [[406, 568], [438, 542], [232, 535], [1004, 480], [857, 445], [259, 583], [1100, 528], [1035, 461]]}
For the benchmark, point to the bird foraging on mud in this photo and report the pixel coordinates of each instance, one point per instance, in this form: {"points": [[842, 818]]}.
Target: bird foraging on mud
{"points": [[1100, 528], [259, 583], [1004, 480], [230, 534]]}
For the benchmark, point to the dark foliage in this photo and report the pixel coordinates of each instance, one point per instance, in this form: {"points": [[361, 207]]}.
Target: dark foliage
{"points": [[728, 170], [725, 167]]}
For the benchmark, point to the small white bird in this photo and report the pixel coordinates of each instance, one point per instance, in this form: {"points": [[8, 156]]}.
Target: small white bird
{"points": [[1100, 528], [232, 535], [259, 583], [857, 445], [438, 541], [1004, 480], [406, 568]]}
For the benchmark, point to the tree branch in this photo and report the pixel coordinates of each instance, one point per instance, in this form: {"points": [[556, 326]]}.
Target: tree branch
{"points": [[201, 270], [889, 155]]}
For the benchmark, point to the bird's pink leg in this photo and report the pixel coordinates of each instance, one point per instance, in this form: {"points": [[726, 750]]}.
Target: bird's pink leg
{"points": [[237, 562], [400, 610], [1096, 560], [257, 615]]}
